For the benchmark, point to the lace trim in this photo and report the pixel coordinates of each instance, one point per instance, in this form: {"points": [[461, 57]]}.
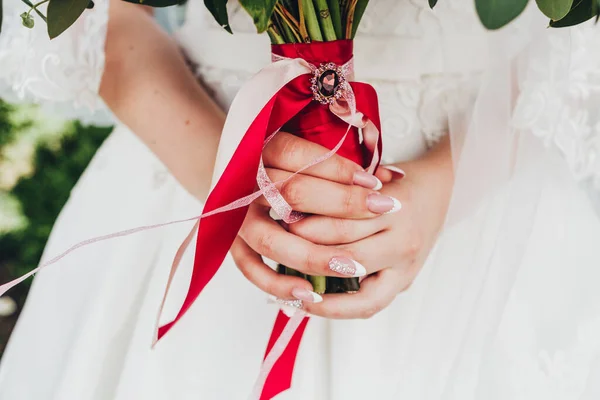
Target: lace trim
{"points": [[560, 100], [64, 72]]}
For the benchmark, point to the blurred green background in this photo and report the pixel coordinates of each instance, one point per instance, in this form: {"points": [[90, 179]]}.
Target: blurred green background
{"points": [[41, 159]]}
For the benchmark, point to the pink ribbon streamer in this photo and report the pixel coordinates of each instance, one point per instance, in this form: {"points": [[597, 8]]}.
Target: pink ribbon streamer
{"points": [[244, 201]]}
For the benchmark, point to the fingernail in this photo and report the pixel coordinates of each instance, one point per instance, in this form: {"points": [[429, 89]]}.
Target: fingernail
{"points": [[288, 307], [288, 303], [395, 169], [367, 180], [381, 204], [346, 266], [306, 295]]}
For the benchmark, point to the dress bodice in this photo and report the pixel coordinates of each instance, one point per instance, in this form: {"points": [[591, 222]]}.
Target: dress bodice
{"points": [[398, 50]]}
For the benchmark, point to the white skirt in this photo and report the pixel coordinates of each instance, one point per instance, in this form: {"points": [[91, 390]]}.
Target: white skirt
{"points": [[86, 330]]}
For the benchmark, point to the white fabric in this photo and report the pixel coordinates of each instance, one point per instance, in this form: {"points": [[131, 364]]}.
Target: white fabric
{"points": [[506, 307], [62, 74]]}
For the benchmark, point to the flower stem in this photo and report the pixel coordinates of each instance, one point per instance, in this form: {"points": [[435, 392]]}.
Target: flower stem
{"points": [[288, 22], [336, 17], [351, 7], [307, 10], [324, 16], [359, 10], [319, 284], [274, 34]]}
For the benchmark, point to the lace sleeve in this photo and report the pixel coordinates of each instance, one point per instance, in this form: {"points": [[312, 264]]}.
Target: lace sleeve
{"points": [[62, 74], [559, 98]]}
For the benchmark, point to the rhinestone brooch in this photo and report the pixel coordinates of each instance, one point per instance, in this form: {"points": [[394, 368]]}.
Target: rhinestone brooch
{"points": [[327, 83]]}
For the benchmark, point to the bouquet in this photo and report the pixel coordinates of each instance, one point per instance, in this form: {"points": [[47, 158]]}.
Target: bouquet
{"points": [[274, 16]]}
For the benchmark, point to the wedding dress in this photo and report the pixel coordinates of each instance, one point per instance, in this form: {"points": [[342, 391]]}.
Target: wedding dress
{"points": [[506, 307]]}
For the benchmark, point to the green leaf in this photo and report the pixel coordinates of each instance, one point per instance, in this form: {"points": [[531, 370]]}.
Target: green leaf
{"points": [[62, 14], [581, 11], [494, 14], [554, 9], [156, 3], [260, 11], [432, 3], [218, 9]]}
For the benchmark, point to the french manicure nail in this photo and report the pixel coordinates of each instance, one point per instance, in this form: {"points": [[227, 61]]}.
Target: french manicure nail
{"points": [[346, 266], [395, 169], [381, 204], [367, 180], [306, 295]]}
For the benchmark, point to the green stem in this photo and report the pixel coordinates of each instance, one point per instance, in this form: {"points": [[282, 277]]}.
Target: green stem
{"points": [[289, 24], [324, 16], [319, 283], [275, 36], [310, 18], [361, 6], [33, 7], [282, 27], [336, 17], [289, 35]]}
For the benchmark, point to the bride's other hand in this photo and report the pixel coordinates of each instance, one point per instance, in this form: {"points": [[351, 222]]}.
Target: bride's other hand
{"points": [[336, 187], [399, 243]]}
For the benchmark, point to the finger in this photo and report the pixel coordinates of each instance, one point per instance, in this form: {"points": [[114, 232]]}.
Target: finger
{"points": [[335, 231], [260, 274], [385, 249], [375, 294], [387, 173], [318, 196], [269, 239], [291, 153]]}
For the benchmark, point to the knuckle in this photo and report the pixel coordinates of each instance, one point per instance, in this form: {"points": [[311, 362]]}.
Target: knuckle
{"points": [[344, 170], [352, 201], [292, 192], [264, 244], [288, 146], [293, 148], [342, 229], [312, 262]]}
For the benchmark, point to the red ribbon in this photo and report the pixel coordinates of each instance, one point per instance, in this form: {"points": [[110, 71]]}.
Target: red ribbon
{"points": [[293, 110]]}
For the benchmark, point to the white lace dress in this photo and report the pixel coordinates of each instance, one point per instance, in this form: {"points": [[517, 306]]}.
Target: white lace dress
{"points": [[86, 328]]}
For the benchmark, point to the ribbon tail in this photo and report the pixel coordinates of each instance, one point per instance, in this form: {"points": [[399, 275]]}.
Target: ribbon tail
{"points": [[217, 233], [276, 373]]}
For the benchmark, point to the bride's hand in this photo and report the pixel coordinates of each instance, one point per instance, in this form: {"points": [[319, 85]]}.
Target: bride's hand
{"points": [[336, 188], [392, 247]]}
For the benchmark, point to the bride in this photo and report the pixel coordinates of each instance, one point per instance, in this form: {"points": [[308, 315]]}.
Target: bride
{"points": [[482, 285]]}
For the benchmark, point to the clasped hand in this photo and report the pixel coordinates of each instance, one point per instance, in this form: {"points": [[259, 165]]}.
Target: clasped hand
{"points": [[379, 228]]}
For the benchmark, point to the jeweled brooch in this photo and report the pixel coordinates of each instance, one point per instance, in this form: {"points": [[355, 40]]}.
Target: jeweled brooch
{"points": [[327, 83]]}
